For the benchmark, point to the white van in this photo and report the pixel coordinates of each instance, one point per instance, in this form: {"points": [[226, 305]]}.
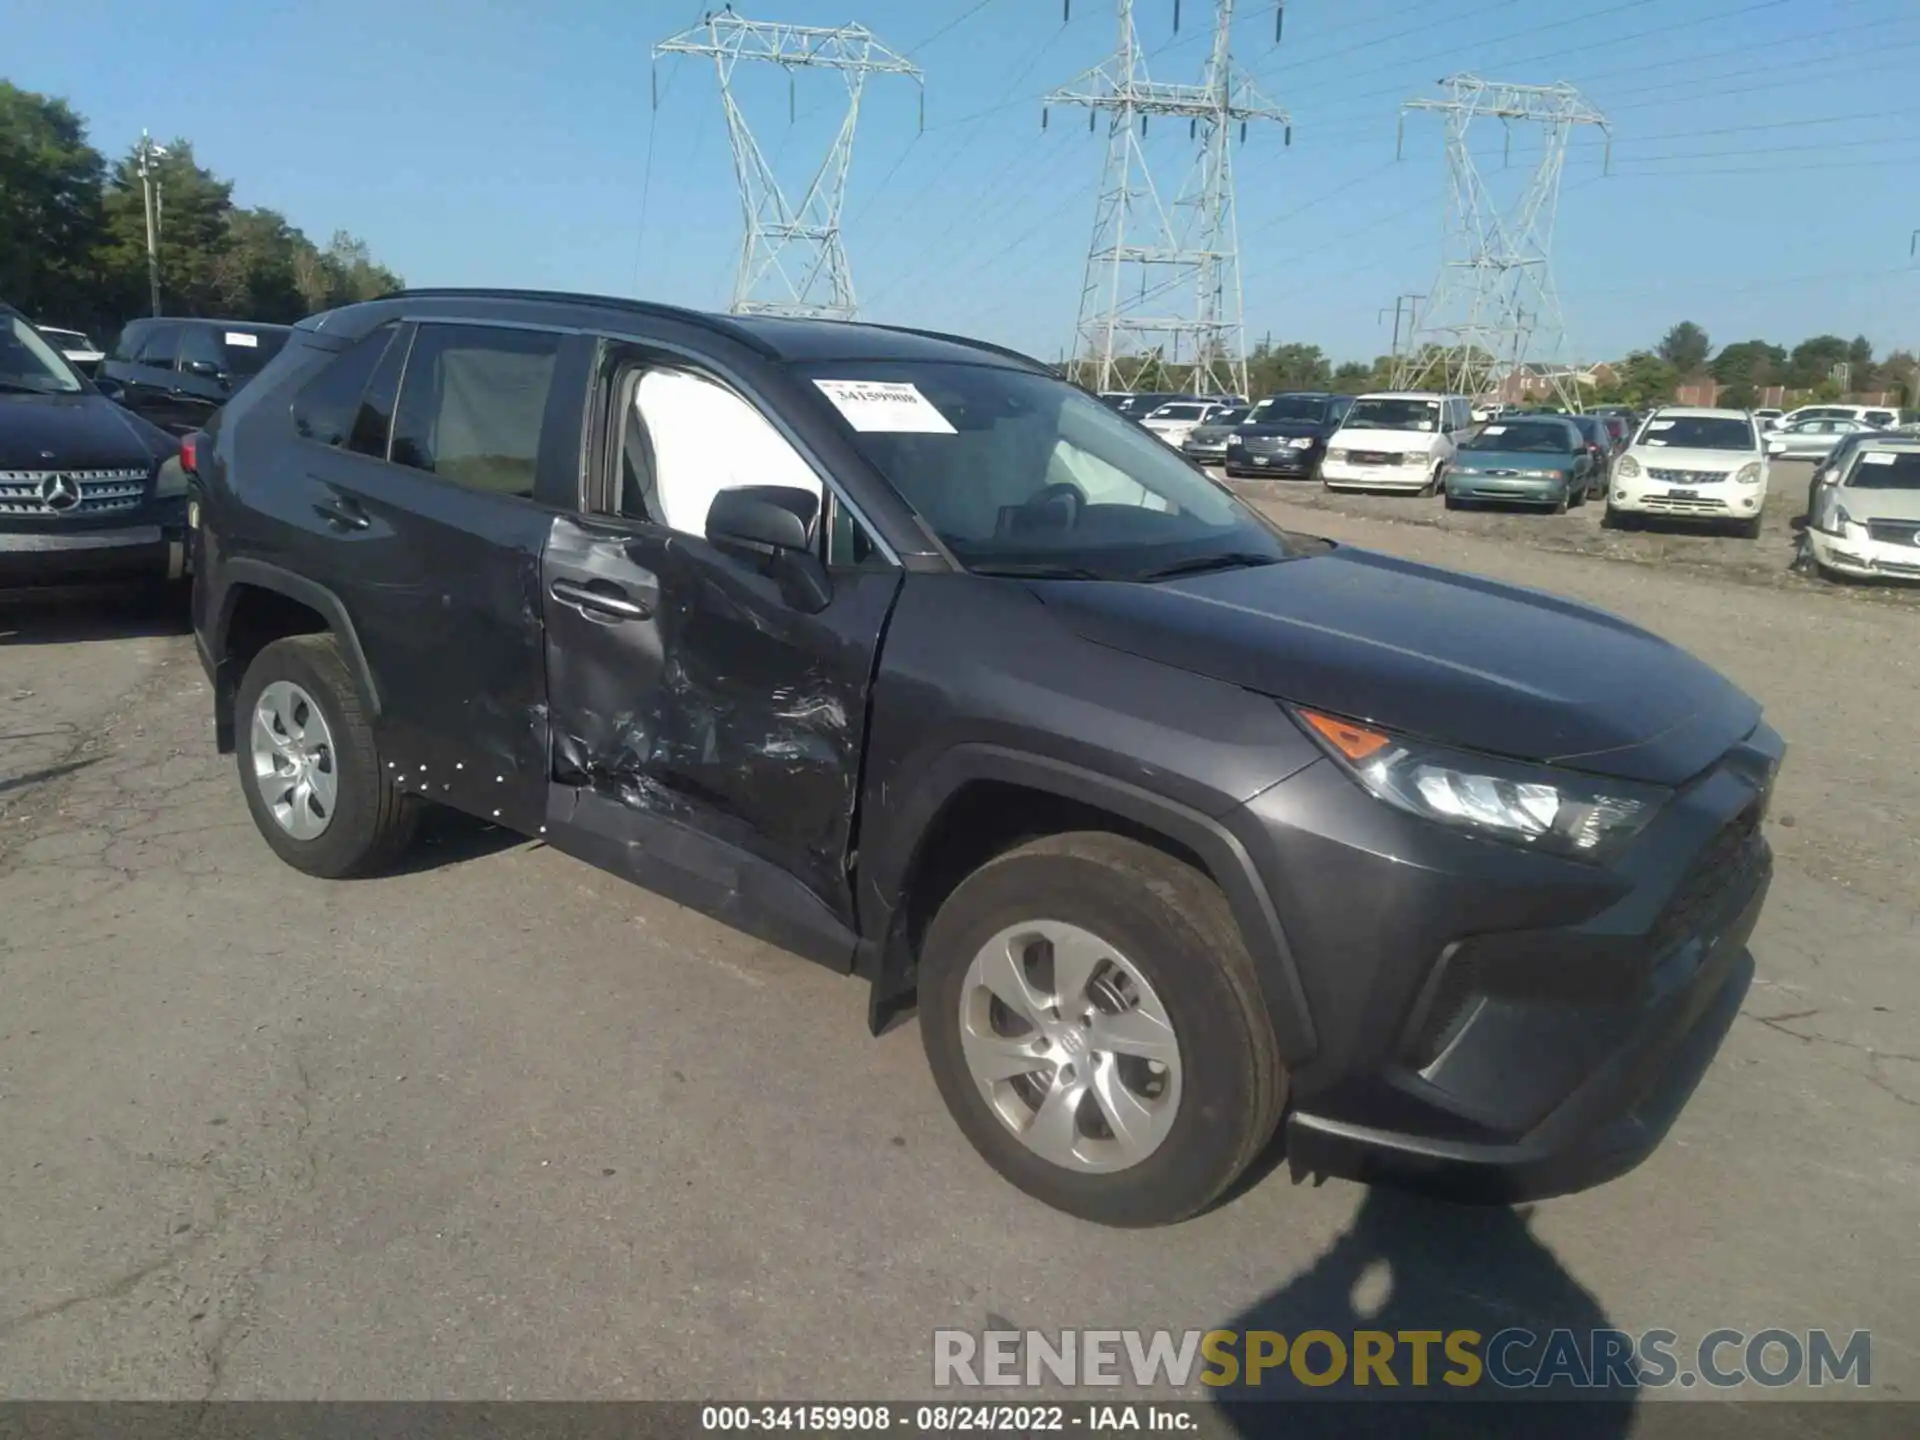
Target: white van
{"points": [[1396, 440]]}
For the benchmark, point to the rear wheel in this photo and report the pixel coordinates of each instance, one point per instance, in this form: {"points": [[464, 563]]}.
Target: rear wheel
{"points": [[1092, 1019], [309, 766]]}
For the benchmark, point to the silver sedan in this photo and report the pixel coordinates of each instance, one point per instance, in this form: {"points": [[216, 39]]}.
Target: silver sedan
{"points": [[1810, 439]]}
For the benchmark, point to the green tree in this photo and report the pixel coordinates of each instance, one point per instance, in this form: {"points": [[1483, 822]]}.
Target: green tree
{"points": [[1812, 360], [192, 207], [1272, 369], [1641, 379], [1355, 377], [50, 187], [1686, 347]]}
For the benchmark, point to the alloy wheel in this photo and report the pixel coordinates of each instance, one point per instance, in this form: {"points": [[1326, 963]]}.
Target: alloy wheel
{"points": [[293, 760]]}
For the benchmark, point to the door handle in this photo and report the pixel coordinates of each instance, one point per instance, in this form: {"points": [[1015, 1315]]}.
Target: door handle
{"points": [[600, 598], [337, 510]]}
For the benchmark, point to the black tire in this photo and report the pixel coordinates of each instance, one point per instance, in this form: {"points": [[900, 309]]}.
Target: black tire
{"points": [[1619, 520], [1750, 529], [373, 821], [1559, 507], [1453, 502], [1174, 925]]}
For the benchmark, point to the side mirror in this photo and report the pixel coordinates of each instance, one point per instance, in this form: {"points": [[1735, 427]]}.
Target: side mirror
{"points": [[772, 526]]}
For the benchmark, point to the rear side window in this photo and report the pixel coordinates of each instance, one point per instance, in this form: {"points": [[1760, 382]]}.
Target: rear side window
{"points": [[373, 423], [128, 345], [325, 409], [473, 403]]}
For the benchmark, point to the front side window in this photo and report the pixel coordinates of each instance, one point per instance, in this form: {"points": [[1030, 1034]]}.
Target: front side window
{"points": [[1700, 432], [1019, 473], [1393, 415], [473, 404], [1530, 437], [701, 438], [29, 364]]}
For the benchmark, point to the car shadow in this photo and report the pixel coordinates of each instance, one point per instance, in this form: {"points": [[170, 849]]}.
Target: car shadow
{"points": [[452, 837], [1406, 1264], [11, 783], [78, 614]]}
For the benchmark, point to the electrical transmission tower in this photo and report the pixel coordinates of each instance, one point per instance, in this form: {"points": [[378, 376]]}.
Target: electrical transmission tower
{"points": [[1495, 290], [792, 261], [1149, 253]]}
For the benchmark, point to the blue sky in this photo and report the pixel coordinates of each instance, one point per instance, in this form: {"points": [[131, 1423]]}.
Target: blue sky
{"points": [[481, 142]]}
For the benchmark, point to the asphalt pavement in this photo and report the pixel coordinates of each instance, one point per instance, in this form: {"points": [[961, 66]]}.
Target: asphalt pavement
{"points": [[503, 1126]]}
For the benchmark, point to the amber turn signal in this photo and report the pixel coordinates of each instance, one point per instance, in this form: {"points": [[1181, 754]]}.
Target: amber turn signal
{"points": [[1356, 742]]}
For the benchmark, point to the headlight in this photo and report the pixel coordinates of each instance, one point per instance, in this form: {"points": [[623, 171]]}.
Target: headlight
{"points": [[1536, 807], [171, 480], [1337, 456], [1749, 474], [1543, 474], [1627, 469], [1300, 442], [1234, 440]]}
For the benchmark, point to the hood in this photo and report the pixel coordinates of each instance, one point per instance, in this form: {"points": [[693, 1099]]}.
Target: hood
{"points": [[1392, 442], [1864, 505], [1664, 457], [84, 431], [1449, 657], [1510, 460]]}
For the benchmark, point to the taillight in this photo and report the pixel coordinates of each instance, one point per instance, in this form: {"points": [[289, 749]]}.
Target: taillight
{"points": [[190, 454]]}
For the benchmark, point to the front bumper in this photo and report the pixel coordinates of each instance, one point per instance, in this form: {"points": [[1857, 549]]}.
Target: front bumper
{"points": [[1856, 553], [1413, 473], [155, 549], [1205, 454], [1496, 1024], [1513, 489], [1289, 462], [1726, 500]]}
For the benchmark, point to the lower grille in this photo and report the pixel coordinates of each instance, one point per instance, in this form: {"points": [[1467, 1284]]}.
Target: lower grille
{"points": [[1374, 457], [70, 492], [1695, 505]]}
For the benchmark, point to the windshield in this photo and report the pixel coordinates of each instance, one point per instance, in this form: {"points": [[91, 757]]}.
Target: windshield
{"points": [[1178, 412], [229, 350], [67, 339], [1230, 417], [1700, 432], [29, 363], [1290, 407], [1019, 473], [1533, 437], [1393, 415], [1886, 470]]}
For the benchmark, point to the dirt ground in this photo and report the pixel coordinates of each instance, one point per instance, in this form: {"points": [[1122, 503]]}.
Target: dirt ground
{"points": [[498, 1125]]}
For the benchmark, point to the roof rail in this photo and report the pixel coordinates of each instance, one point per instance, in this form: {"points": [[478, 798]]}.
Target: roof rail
{"points": [[724, 324], [1002, 350]]}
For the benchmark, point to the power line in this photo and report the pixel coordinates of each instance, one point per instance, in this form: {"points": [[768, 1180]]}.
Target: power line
{"points": [[951, 25]]}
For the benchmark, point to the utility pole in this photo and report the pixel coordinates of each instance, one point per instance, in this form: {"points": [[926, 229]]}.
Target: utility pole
{"points": [[1495, 284], [1145, 247], [145, 156], [792, 260]]}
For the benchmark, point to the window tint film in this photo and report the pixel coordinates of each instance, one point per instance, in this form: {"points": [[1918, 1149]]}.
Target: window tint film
{"points": [[324, 409], [158, 346], [373, 421], [472, 405]]}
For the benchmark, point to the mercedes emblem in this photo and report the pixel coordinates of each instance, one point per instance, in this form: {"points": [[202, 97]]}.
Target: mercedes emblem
{"points": [[60, 492]]}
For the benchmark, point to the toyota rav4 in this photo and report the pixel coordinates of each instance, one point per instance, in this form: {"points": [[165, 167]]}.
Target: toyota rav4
{"points": [[1177, 829]]}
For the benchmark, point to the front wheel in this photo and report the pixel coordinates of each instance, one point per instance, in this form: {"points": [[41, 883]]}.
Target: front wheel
{"points": [[1750, 529], [1093, 1022]]}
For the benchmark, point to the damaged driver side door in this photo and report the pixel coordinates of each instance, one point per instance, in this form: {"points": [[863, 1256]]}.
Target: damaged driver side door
{"points": [[707, 715]]}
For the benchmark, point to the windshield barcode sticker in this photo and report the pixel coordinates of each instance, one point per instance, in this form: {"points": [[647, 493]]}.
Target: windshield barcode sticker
{"points": [[1494, 430], [1878, 457], [1659, 424], [885, 407], [241, 338]]}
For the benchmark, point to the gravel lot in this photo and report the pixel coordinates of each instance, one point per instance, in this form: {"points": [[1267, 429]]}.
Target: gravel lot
{"points": [[502, 1126]]}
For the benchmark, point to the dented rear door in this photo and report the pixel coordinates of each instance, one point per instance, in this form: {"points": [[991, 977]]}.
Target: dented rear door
{"points": [[729, 725]]}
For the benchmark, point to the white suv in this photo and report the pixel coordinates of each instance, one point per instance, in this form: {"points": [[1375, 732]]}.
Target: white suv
{"points": [[1396, 440], [1693, 464]]}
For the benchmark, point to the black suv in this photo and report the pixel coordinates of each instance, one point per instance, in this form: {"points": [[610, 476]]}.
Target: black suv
{"points": [[1286, 435], [899, 651], [176, 372], [86, 490]]}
